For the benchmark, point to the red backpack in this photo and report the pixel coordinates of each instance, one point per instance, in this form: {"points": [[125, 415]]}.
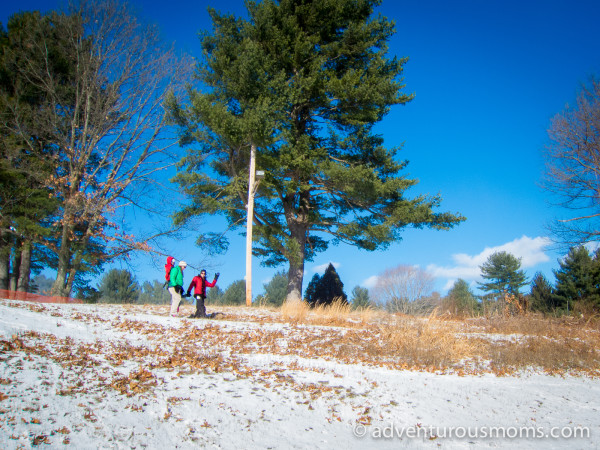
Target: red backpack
{"points": [[168, 266]]}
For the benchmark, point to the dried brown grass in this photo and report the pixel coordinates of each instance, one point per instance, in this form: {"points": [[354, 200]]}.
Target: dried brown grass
{"points": [[499, 344], [558, 345], [337, 313], [294, 311], [428, 342]]}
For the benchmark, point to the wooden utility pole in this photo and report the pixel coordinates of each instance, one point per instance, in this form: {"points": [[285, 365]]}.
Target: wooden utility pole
{"points": [[249, 221]]}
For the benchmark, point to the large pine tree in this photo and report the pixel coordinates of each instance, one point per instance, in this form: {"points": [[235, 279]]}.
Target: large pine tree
{"points": [[504, 274], [303, 83]]}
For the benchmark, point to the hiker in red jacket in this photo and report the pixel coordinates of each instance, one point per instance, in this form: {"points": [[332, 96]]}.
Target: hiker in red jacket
{"points": [[200, 284]]}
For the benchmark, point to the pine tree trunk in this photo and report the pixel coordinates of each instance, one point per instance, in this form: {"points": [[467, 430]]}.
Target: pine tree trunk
{"points": [[296, 207], [4, 260], [295, 277], [16, 264], [25, 268], [296, 271]]}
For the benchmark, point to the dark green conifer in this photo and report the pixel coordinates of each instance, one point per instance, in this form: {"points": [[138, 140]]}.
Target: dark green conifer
{"points": [[326, 289], [577, 279], [504, 273]]}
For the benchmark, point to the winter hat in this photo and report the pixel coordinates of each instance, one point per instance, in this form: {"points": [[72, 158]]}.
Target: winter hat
{"points": [[182, 264]]}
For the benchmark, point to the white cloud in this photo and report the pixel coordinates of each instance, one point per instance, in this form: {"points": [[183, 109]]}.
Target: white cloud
{"points": [[322, 267], [369, 282], [529, 250], [466, 272]]}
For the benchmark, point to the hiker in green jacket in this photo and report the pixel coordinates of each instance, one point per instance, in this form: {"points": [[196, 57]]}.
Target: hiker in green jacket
{"points": [[176, 286]]}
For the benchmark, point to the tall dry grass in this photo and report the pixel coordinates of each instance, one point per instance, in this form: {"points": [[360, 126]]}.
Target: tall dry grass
{"points": [[337, 313], [499, 344], [294, 311], [428, 342]]}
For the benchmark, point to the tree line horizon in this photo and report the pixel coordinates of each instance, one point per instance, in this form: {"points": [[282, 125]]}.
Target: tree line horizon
{"points": [[402, 289]]}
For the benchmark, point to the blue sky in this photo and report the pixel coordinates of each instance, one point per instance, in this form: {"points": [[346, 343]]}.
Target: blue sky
{"points": [[487, 77]]}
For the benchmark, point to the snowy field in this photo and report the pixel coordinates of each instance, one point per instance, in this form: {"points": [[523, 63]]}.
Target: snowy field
{"points": [[112, 376]]}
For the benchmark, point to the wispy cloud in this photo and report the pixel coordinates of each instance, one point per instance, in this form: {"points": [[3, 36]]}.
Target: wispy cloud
{"points": [[369, 282], [531, 251], [322, 267]]}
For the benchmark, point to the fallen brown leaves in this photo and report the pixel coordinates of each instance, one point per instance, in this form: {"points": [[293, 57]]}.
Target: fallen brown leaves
{"points": [[233, 346], [396, 342]]}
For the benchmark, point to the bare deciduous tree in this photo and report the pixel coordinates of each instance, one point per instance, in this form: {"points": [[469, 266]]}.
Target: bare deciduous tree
{"points": [[399, 289], [573, 166], [107, 124]]}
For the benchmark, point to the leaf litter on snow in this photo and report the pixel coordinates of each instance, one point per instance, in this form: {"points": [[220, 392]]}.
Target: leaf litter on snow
{"points": [[110, 375]]}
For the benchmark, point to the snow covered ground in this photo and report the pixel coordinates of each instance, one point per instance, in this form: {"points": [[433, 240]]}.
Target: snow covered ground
{"points": [[112, 376]]}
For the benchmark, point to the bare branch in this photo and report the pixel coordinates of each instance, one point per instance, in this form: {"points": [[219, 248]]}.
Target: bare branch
{"points": [[573, 166]]}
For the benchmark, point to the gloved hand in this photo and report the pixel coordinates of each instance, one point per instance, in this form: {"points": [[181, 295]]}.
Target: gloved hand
{"points": [[217, 276], [187, 294]]}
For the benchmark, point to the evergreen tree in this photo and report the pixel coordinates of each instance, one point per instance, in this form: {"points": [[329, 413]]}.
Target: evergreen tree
{"points": [[119, 286], [302, 83], [326, 289], [504, 273], [360, 298], [577, 279], [88, 294], [275, 290], [462, 299], [41, 284], [235, 294], [154, 293], [214, 295], [311, 289], [542, 297]]}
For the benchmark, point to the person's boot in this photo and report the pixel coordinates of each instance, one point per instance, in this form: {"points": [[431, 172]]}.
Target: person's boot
{"points": [[200, 308], [199, 314]]}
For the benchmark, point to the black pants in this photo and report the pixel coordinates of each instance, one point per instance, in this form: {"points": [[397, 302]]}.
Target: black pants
{"points": [[200, 308]]}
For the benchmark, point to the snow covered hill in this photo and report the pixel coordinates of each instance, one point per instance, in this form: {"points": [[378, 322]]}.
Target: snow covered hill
{"points": [[114, 376]]}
